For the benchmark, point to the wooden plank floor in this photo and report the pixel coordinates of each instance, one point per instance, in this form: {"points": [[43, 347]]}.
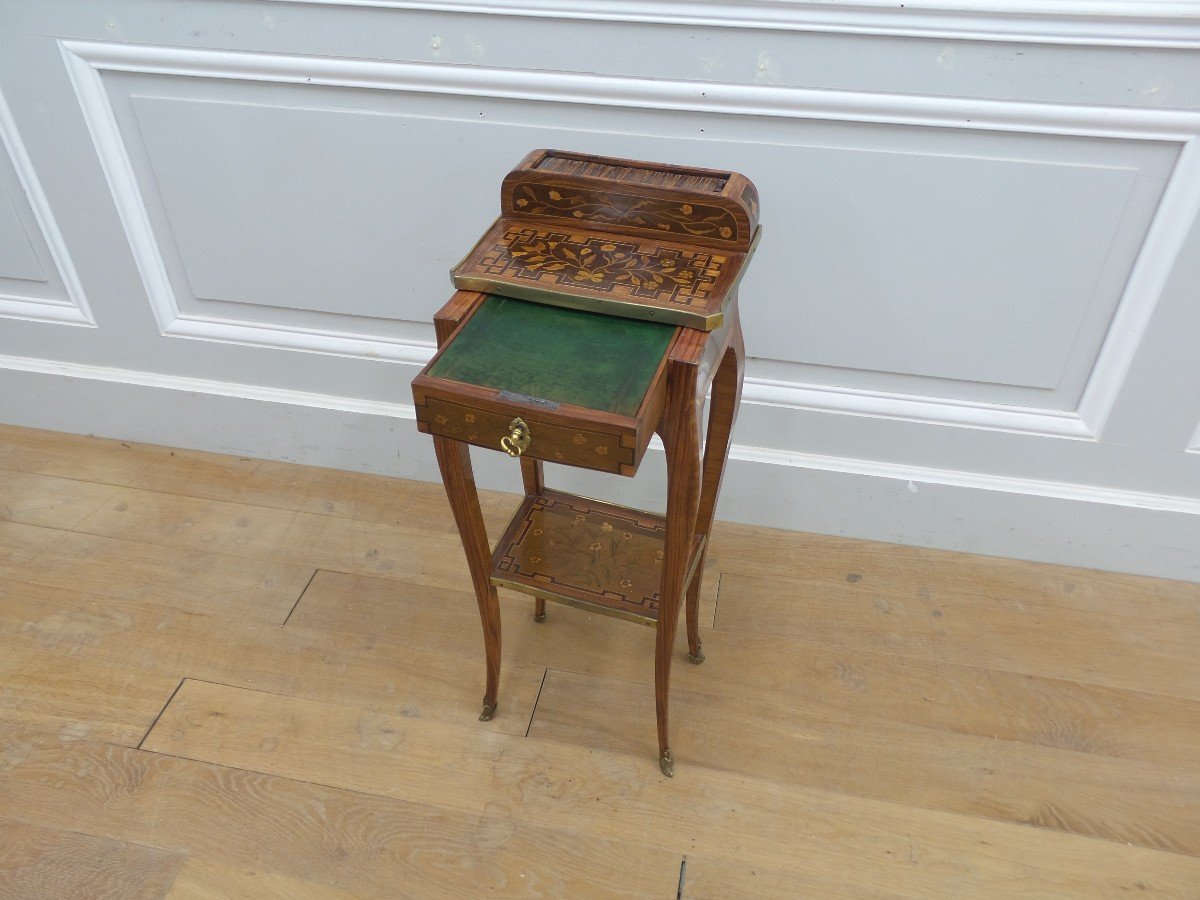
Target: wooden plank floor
{"points": [[223, 677]]}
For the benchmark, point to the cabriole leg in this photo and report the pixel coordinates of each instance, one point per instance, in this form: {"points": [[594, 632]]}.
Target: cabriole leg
{"points": [[681, 436], [726, 394], [455, 462]]}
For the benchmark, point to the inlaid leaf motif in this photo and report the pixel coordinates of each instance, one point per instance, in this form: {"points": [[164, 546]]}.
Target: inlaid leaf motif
{"points": [[617, 208], [606, 262], [683, 276]]}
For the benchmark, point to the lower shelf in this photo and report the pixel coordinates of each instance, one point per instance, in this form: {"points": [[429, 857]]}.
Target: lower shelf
{"points": [[596, 556]]}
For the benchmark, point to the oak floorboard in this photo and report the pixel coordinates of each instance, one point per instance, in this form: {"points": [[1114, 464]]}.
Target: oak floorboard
{"points": [[37, 863], [193, 580], [813, 561], [366, 670], [326, 492], [20, 543], [822, 678], [598, 795], [202, 879], [78, 698], [237, 530], [76, 456], [711, 877], [872, 720], [48, 501], [256, 532], [1126, 801], [359, 843], [356, 604], [1139, 652], [216, 476]]}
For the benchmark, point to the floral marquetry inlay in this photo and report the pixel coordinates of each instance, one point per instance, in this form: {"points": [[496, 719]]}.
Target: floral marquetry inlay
{"points": [[595, 450], [659, 279], [677, 276], [663, 214], [586, 550]]}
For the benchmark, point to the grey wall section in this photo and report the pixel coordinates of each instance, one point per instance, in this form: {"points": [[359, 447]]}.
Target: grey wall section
{"points": [[226, 225]]}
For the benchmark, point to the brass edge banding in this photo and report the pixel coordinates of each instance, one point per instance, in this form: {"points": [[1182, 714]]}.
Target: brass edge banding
{"points": [[700, 321]]}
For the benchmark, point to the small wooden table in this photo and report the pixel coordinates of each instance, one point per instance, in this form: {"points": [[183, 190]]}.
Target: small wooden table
{"points": [[627, 273], [587, 390]]}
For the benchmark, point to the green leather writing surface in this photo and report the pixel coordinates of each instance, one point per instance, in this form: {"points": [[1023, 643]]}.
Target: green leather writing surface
{"points": [[562, 355]]}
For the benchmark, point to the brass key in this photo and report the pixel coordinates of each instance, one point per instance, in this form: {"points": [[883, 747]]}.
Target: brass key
{"points": [[517, 440]]}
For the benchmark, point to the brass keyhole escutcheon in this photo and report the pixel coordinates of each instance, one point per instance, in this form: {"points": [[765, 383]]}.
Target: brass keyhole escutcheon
{"points": [[517, 440]]}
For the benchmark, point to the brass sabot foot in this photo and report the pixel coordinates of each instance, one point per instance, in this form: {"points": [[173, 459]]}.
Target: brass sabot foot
{"points": [[699, 657], [539, 617], [667, 764], [489, 710]]}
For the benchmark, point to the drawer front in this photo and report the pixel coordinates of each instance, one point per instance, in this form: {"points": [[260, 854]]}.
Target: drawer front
{"points": [[550, 442]]}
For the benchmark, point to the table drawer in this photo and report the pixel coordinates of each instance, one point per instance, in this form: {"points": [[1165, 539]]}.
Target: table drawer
{"points": [[589, 388], [609, 450]]}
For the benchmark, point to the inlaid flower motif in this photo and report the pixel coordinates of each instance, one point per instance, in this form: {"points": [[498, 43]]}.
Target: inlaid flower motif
{"points": [[537, 532], [535, 559], [626, 583], [595, 545], [470, 417], [602, 450], [606, 528], [581, 518], [658, 557], [626, 536], [619, 208], [578, 439], [590, 262], [440, 419], [725, 232]]}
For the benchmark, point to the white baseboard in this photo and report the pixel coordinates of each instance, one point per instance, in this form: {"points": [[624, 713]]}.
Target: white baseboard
{"points": [[994, 515]]}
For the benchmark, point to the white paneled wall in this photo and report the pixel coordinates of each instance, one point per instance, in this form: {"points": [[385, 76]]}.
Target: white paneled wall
{"points": [[973, 319]]}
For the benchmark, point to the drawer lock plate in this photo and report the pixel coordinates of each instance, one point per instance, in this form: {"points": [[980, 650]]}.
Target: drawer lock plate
{"points": [[517, 440]]}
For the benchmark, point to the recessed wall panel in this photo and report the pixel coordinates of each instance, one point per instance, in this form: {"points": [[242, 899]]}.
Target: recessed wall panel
{"points": [[972, 269], [306, 208], [17, 257], [979, 266]]}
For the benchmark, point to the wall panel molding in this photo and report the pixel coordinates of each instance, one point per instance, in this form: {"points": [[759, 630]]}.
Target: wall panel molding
{"points": [[934, 411], [74, 309], [87, 61], [1100, 23], [207, 386], [1165, 238]]}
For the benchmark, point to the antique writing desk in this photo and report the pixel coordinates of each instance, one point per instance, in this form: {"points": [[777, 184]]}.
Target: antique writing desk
{"points": [[574, 343]]}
